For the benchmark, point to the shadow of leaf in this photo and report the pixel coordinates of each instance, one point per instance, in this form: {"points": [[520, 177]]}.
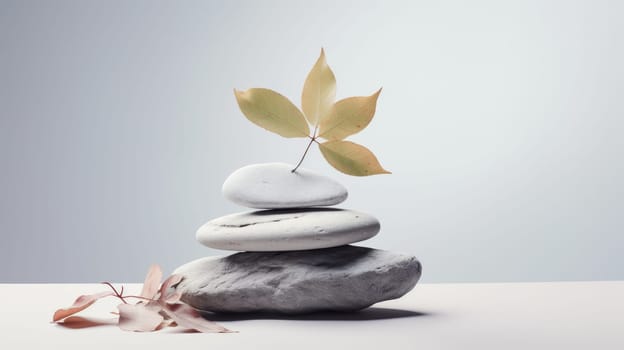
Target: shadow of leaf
{"points": [[78, 322]]}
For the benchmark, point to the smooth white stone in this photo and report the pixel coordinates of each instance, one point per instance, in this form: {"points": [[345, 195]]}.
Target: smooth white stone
{"points": [[275, 186], [279, 230]]}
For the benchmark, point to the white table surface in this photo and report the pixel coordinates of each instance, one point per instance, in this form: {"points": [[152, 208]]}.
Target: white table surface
{"points": [[558, 315]]}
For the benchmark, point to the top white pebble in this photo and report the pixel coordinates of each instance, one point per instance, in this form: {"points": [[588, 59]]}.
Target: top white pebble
{"points": [[275, 186]]}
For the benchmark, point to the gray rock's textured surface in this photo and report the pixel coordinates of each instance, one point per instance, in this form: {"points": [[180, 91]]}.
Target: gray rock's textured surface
{"points": [[293, 229], [274, 186], [346, 278]]}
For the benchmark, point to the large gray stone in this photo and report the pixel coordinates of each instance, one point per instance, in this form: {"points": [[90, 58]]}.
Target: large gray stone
{"points": [[292, 229], [346, 278]]}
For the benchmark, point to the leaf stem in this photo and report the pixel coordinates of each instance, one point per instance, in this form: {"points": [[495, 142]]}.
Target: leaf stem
{"points": [[139, 297], [117, 294], [312, 139]]}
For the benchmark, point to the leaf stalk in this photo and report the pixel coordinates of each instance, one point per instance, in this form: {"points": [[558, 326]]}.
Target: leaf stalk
{"points": [[312, 139]]}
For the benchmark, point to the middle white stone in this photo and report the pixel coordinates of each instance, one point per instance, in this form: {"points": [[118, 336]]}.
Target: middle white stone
{"points": [[281, 230]]}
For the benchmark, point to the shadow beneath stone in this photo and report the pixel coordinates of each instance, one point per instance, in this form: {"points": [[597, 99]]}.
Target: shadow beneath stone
{"points": [[369, 314], [265, 212]]}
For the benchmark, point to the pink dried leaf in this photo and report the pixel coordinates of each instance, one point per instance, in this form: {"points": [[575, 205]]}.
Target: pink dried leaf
{"points": [[164, 288], [166, 323], [187, 317], [138, 318], [172, 298], [152, 281], [152, 305], [81, 303], [156, 306]]}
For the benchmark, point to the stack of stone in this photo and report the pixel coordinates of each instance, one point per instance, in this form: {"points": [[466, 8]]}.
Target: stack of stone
{"points": [[294, 255]]}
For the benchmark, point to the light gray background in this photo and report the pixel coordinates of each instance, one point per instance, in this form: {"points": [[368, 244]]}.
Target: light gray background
{"points": [[501, 121]]}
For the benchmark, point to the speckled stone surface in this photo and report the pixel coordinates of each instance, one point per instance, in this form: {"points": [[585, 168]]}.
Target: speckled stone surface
{"points": [[344, 278], [292, 229]]}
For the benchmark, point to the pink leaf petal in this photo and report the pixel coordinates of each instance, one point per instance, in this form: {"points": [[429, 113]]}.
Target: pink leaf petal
{"points": [[164, 288], [81, 303], [152, 281], [138, 318], [165, 324], [173, 298], [187, 317]]}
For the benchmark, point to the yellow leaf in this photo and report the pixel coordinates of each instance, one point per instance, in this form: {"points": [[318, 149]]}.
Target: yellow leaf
{"points": [[350, 158], [348, 117], [319, 91], [272, 111]]}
